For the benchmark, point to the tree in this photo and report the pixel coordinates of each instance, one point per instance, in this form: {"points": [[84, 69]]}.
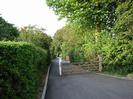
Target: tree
{"points": [[117, 53], [124, 23], [7, 30], [91, 14], [36, 36], [104, 28], [72, 40], [98, 14], [63, 41]]}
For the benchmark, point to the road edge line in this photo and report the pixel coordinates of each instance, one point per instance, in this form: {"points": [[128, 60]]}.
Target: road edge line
{"points": [[123, 78], [46, 83]]}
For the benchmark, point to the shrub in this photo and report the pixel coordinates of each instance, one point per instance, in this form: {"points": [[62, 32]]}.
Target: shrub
{"points": [[21, 65], [118, 57]]}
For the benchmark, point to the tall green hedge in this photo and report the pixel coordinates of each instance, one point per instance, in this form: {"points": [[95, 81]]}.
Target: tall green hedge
{"points": [[21, 65], [118, 57]]}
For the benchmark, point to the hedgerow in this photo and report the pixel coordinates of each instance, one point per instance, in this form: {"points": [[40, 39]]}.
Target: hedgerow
{"points": [[118, 57], [21, 66]]}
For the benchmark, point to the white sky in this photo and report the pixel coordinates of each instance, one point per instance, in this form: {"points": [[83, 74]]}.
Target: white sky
{"points": [[35, 12]]}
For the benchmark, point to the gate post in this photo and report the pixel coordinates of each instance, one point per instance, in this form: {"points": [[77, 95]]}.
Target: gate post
{"points": [[100, 63]]}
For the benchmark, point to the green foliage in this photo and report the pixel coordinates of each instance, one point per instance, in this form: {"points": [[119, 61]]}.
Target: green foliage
{"points": [[64, 40], [21, 66], [96, 27], [36, 36], [124, 23], [74, 42], [7, 30], [90, 13], [118, 56]]}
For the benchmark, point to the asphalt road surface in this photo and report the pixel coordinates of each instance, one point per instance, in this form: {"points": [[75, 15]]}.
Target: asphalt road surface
{"points": [[86, 86]]}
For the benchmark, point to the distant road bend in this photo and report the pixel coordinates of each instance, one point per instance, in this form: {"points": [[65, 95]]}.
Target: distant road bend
{"points": [[86, 86]]}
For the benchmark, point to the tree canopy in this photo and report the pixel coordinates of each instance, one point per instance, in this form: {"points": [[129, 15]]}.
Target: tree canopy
{"points": [[91, 13], [7, 30], [35, 35]]}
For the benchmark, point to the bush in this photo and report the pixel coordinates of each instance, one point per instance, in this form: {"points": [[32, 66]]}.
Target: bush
{"points": [[21, 66], [118, 57]]}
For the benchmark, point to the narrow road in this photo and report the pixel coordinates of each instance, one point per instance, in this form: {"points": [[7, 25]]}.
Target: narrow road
{"points": [[86, 86]]}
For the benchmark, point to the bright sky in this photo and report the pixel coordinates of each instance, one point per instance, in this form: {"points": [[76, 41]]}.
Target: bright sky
{"points": [[35, 12]]}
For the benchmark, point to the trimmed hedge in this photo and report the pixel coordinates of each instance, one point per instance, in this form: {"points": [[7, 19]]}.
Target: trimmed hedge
{"points": [[21, 66]]}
